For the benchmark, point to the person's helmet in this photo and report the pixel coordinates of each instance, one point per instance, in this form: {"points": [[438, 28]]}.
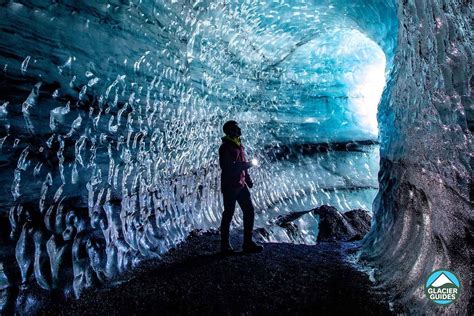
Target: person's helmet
{"points": [[228, 127]]}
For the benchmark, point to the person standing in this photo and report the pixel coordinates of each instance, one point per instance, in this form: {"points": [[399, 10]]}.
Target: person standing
{"points": [[235, 184]]}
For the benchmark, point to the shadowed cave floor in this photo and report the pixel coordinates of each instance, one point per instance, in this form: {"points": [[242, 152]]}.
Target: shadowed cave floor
{"points": [[195, 279]]}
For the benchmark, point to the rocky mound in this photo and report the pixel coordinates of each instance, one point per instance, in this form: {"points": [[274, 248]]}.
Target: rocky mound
{"points": [[336, 226]]}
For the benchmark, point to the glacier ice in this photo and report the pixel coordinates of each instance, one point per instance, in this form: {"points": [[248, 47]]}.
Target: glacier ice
{"points": [[423, 212], [111, 113]]}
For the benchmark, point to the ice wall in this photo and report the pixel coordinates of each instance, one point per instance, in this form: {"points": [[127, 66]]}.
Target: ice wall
{"points": [[423, 216], [95, 168], [110, 122]]}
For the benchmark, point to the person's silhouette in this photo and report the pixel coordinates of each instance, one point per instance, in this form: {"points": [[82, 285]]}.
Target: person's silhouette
{"points": [[235, 181]]}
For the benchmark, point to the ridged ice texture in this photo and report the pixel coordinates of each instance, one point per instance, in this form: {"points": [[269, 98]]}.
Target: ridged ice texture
{"points": [[111, 113], [423, 216]]}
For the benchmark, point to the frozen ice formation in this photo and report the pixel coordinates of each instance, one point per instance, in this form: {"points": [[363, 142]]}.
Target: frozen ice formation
{"points": [[111, 115], [423, 212]]}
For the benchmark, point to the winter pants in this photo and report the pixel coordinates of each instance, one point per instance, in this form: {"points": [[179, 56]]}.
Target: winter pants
{"points": [[242, 196]]}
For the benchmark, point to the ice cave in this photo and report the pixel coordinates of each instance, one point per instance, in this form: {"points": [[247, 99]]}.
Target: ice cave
{"points": [[111, 115]]}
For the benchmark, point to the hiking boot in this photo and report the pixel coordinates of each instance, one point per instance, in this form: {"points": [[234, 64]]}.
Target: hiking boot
{"points": [[252, 247]]}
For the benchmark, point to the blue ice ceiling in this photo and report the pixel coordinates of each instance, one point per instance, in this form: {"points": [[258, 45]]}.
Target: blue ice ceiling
{"points": [[309, 71], [111, 118]]}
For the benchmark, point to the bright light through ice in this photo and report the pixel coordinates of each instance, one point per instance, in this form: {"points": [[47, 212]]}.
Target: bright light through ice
{"points": [[340, 78], [366, 84], [369, 88], [254, 162]]}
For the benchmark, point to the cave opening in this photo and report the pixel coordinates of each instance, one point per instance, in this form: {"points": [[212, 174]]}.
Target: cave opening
{"points": [[304, 81], [320, 133]]}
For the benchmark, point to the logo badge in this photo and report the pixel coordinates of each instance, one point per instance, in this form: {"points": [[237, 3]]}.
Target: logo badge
{"points": [[442, 287]]}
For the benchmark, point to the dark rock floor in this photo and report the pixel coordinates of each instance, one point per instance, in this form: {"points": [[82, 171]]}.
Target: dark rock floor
{"points": [[196, 279]]}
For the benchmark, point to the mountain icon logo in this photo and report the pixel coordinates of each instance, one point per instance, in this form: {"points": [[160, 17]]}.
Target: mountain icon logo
{"points": [[442, 287]]}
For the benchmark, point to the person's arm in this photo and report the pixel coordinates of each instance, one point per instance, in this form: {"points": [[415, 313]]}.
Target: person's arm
{"points": [[228, 163]]}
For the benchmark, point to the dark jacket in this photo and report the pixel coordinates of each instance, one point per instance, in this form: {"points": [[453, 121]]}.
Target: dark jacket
{"points": [[234, 166]]}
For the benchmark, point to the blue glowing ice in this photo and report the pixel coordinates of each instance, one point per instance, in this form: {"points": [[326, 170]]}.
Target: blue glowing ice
{"points": [[111, 115]]}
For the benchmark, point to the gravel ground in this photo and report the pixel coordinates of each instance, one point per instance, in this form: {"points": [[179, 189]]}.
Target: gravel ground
{"points": [[195, 279]]}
